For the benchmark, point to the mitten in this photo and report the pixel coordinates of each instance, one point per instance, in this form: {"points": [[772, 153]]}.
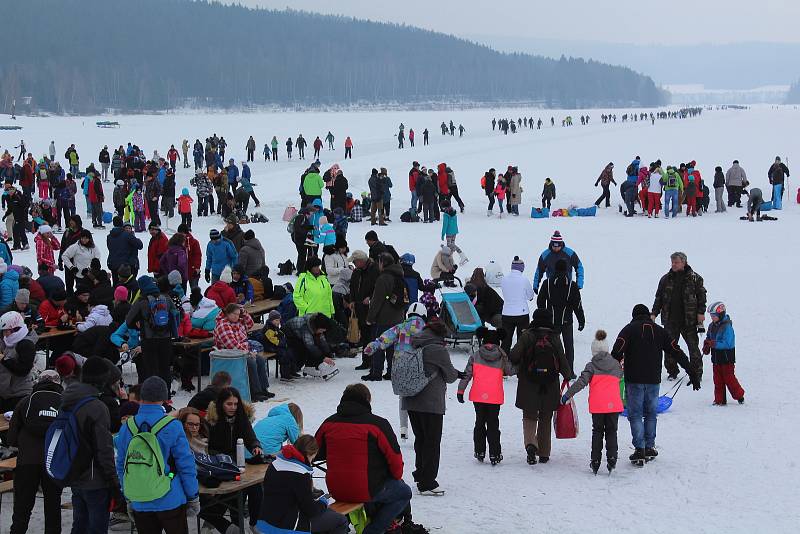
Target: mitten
{"points": [[460, 397]]}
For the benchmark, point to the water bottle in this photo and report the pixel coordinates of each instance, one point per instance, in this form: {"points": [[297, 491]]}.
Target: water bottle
{"points": [[240, 454]]}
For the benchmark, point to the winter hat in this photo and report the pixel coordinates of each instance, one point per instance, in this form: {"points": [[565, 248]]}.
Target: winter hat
{"points": [[640, 309], [65, 365], [225, 276], [446, 250], [408, 259], [121, 293], [231, 219], [518, 265], [317, 203], [557, 239], [147, 285], [23, 297], [154, 389], [185, 191], [274, 314], [213, 234], [313, 262], [49, 375], [45, 229], [541, 319], [561, 266], [599, 344], [248, 235], [124, 271], [128, 409], [174, 277], [371, 236], [358, 255], [58, 295], [95, 371]]}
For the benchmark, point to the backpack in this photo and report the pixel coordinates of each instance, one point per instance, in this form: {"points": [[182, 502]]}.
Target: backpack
{"points": [[41, 411], [399, 295], [672, 183], [159, 311], [541, 364], [408, 373], [62, 442], [630, 170], [286, 268], [483, 182], [218, 466], [409, 216], [391, 250], [145, 476]]}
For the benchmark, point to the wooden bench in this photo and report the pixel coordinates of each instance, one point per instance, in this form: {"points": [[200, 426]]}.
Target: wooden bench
{"points": [[345, 508]]}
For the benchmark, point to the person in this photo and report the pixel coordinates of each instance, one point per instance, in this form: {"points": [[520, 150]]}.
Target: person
{"points": [[719, 190], [301, 146], [175, 258], [185, 150], [185, 207], [274, 148], [548, 193], [735, 181], [488, 182], [641, 344], [362, 286], [123, 247], [233, 232], [195, 428], [168, 512], [450, 230], [561, 298], [27, 429], [375, 474], [46, 243], [172, 157], [755, 199], [230, 332], [377, 188], [486, 369], [313, 293], [602, 374], [443, 266], [386, 309], [555, 251], [681, 301], [426, 191], [220, 253], [514, 192], [18, 349], [17, 206], [159, 242], [517, 293], [229, 419], [200, 401], [288, 489], [305, 337], [348, 148], [317, 147], [654, 189], [605, 179], [221, 291], [777, 174], [283, 423], [95, 485], [673, 189], [721, 344], [241, 286], [488, 303], [539, 356], [250, 147]]}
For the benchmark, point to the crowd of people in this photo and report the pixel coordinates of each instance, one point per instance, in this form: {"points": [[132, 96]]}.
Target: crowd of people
{"points": [[505, 125]]}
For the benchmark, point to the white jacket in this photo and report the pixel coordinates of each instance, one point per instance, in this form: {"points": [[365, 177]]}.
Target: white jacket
{"points": [[655, 183], [334, 264], [79, 256], [517, 292], [99, 316]]}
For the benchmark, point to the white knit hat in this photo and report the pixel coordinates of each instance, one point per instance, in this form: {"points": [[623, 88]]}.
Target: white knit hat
{"points": [[599, 344], [226, 276], [45, 229]]}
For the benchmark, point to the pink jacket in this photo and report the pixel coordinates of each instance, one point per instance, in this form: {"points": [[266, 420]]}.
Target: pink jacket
{"points": [[486, 369], [602, 374]]}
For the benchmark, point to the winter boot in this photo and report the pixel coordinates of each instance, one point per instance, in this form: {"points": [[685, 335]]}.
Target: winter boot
{"points": [[611, 464], [366, 363], [495, 458], [650, 453], [531, 450], [544, 459], [638, 458], [480, 456], [741, 401], [595, 465]]}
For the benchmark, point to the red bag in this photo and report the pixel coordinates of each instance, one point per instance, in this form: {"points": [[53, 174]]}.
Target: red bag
{"points": [[798, 195], [565, 420], [289, 213]]}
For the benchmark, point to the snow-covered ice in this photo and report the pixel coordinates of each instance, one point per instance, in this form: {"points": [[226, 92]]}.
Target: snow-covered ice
{"points": [[728, 469]]}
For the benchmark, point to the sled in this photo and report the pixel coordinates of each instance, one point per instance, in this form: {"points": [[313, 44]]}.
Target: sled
{"points": [[540, 213], [664, 401], [458, 313]]}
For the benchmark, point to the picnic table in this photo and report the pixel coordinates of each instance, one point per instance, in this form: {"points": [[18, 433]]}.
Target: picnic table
{"points": [[4, 424], [230, 492], [51, 333], [260, 308]]}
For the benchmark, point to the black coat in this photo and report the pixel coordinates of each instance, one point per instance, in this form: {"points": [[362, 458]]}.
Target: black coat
{"points": [[27, 437], [642, 344], [96, 341], [561, 298], [288, 491], [339, 192], [488, 303], [223, 433]]}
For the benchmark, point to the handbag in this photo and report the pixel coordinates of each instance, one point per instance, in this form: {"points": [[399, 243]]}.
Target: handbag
{"points": [[289, 213], [565, 420], [353, 331]]}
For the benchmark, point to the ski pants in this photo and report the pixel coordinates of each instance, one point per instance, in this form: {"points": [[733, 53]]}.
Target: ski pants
{"points": [[604, 425], [568, 340], [653, 203], [725, 376], [427, 429], [348, 152], [606, 195], [511, 323], [670, 203], [691, 206], [689, 334], [487, 428], [157, 359], [454, 194], [250, 155], [537, 426], [777, 196], [719, 199]]}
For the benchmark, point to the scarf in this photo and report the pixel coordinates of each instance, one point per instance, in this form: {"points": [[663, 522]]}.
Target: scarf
{"points": [[12, 339]]}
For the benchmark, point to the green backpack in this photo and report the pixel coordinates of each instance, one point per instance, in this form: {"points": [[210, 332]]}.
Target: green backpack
{"points": [[145, 478]]}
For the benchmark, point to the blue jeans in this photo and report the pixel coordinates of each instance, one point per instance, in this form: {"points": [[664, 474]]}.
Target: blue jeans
{"points": [[390, 502], [257, 371], [90, 511], [642, 404], [670, 200], [414, 201], [777, 196]]}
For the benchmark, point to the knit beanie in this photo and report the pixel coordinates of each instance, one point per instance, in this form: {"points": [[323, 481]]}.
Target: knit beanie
{"points": [[273, 315], [65, 365], [226, 275], [557, 239], [599, 344], [446, 250], [213, 234], [154, 389], [94, 371], [120, 293], [518, 265], [174, 277], [541, 319], [45, 229], [23, 296]]}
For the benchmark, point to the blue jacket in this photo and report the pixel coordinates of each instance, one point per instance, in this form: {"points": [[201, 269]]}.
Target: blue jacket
{"points": [[125, 334], [245, 181], [175, 448], [449, 224], [635, 174], [220, 253], [276, 428], [162, 175], [233, 173], [9, 286], [287, 309], [5, 253], [205, 316], [547, 265], [123, 247], [724, 349], [85, 185]]}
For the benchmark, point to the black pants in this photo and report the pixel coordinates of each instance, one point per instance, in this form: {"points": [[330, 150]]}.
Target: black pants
{"points": [[202, 206], [454, 194], [302, 151], [301, 355], [157, 359], [69, 281], [689, 334], [250, 155], [735, 196], [97, 214], [27, 479], [152, 208], [380, 355], [348, 152], [169, 521], [604, 425], [606, 195], [511, 323], [186, 218], [568, 340], [215, 514], [427, 429], [487, 427], [274, 154], [20, 238], [491, 202], [545, 202], [255, 198]]}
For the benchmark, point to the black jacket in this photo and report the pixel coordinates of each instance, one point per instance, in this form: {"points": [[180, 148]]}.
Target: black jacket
{"points": [[287, 489], [27, 424], [96, 341], [488, 303], [223, 432], [561, 298], [123, 247], [642, 344], [202, 399], [719, 179], [376, 249]]}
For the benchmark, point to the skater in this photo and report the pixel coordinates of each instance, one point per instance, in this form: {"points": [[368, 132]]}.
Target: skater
{"points": [[548, 259], [301, 146], [548, 193], [452, 187], [266, 152], [487, 184], [400, 139], [185, 207], [348, 148], [777, 175], [606, 177], [411, 137], [561, 298], [450, 231], [486, 369], [250, 147], [517, 293], [602, 374], [289, 145], [274, 144], [642, 344], [425, 137], [329, 139], [721, 344], [735, 181], [317, 147], [719, 190]]}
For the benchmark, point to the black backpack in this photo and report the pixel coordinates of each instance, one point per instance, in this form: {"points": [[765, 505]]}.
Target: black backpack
{"points": [[390, 249], [541, 364], [41, 411], [286, 268], [399, 294]]}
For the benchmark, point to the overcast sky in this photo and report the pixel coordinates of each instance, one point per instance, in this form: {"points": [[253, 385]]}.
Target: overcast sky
{"points": [[634, 21]]}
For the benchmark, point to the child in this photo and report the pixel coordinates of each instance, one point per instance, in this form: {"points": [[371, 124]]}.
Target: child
{"points": [[500, 194], [721, 343], [137, 206], [486, 369], [427, 192], [274, 340], [428, 298], [602, 374], [241, 285], [44, 181], [450, 230], [325, 234], [283, 423], [118, 197], [548, 193], [691, 196], [185, 207], [46, 243]]}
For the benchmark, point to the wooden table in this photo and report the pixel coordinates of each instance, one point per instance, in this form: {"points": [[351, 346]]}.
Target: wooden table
{"points": [[49, 334], [4, 424], [227, 492], [260, 308]]}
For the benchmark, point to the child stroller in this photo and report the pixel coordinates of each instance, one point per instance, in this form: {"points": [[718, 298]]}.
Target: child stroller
{"points": [[458, 313]]}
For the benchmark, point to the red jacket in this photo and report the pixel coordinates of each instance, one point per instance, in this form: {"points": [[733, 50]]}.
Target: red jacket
{"points": [[172, 155], [221, 293], [348, 143], [443, 188], [27, 175], [413, 175], [158, 245], [361, 450], [50, 314], [96, 190], [195, 255], [185, 204], [317, 144]]}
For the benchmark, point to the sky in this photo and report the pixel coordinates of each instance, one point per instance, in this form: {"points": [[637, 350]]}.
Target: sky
{"points": [[620, 21]]}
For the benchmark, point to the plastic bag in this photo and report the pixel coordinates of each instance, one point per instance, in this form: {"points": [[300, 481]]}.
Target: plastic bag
{"points": [[565, 420]]}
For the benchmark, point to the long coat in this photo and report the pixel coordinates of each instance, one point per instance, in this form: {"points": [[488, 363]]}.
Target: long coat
{"points": [[531, 396]]}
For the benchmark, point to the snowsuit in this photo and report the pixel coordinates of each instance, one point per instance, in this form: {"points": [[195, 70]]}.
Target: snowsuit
{"points": [[721, 342]]}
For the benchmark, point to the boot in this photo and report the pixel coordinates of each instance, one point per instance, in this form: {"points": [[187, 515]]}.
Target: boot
{"points": [[480, 456], [495, 458], [638, 458], [489, 213], [650, 453], [611, 464], [531, 450], [366, 363], [595, 465]]}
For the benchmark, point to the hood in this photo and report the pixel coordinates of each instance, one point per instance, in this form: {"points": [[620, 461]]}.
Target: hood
{"points": [[48, 386], [101, 309], [292, 460], [205, 307], [348, 408], [76, 391], [425, 338], [254, 243], [605, 362], [147, 285], [393, 269], [12, 276], [212, 417], [279, 411], [490, 353], [116, 231]]}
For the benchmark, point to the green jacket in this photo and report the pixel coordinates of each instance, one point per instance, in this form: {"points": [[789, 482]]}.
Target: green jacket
{"points": [[313, 295], [672, 174], [693, 297], [313, 184]]}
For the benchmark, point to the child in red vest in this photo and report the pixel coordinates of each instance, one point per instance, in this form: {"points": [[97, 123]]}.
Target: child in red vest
{"points": [[185, 207], [602, 374], [486, 369]]}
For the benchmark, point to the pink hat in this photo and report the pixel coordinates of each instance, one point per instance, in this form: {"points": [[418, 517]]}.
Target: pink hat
{"points": [[121, 293]]}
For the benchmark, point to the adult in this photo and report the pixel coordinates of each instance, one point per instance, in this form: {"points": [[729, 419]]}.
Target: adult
{"points": [[443, 267], [364, 461], [194, 253], [561, 298], [312, 292], [555, 251], [250, 147], [233, 232], [426, 409], [605, 180], [377, 189], [641, 344], [155, 339], [78, 257], [488, 303], [754, 202], [539, 356], [339, 191], [233, 175], [517, 293], [105, 161], [252, 257], [175, 258], [386, 309], [681, 302], [362, 286], [152, 192], [17, 206], [735, 181], [18, 350], [376, 247], [159, 242], [305, 337], [777, 174], [123, 247]]}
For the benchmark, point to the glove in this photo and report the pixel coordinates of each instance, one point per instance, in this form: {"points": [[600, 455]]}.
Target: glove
{"points": [[701, 329], [694, 381], [193, 507], [564, 399], [367, 350], [460, 398], [708, 344], [580, 327], [208, 277]]}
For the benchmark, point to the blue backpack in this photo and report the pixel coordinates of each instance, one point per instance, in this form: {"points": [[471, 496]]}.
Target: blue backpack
{"points": [[159, 311], [62, 442]]}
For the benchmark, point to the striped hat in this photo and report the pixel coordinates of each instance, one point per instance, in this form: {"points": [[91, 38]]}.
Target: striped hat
{"points": [[557, 238], [518, 265], [214, 233]]}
